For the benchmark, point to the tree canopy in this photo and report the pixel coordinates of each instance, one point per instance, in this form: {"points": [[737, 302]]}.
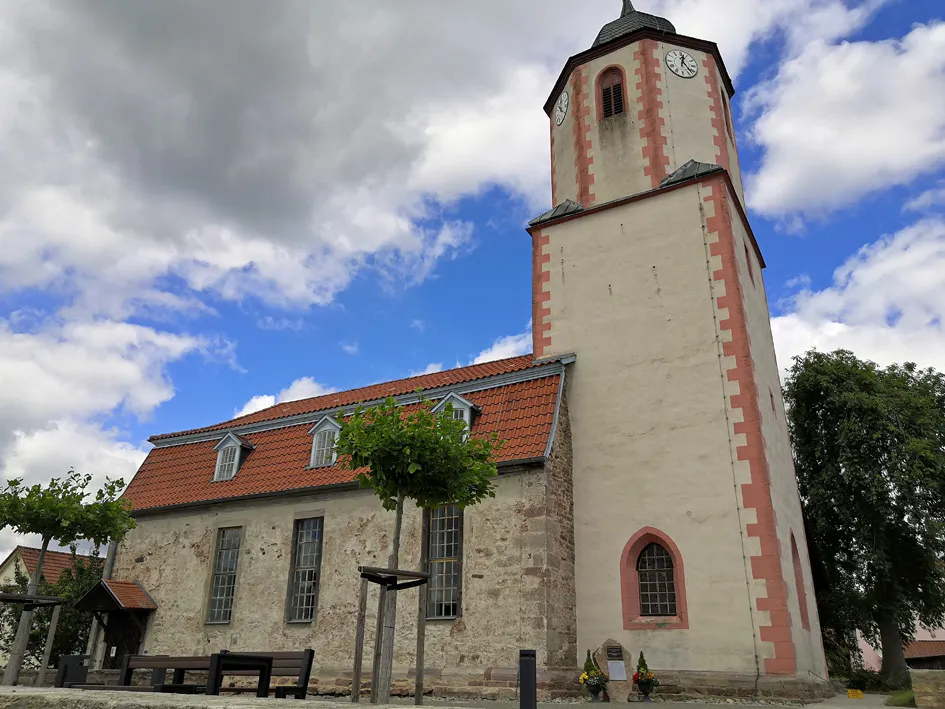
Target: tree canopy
{"points": [[869, 447], [59, 511], [417, 455]]}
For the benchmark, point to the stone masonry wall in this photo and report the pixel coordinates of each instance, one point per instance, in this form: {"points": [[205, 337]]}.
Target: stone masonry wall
{"points": [[507, 565], [929, 688]]}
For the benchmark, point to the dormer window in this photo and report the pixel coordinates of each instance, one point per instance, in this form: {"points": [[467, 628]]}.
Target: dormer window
{"points": [[324, 434], [229, 456], [462, 408]]}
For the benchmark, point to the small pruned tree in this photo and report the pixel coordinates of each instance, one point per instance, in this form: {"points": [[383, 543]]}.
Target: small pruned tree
{"points": [[869, 450], [61, 512], [413, 454]]}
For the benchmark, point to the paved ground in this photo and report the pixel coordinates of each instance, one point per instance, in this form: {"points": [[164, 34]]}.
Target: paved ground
{"points": [[35, 698]]}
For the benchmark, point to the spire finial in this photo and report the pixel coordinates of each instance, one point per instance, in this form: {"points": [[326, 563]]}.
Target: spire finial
{"points": [[627, 8]]}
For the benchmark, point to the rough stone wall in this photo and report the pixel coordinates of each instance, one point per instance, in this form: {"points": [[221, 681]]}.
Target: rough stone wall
{"points": [[560, 601], [929, 688], [505, 568]]}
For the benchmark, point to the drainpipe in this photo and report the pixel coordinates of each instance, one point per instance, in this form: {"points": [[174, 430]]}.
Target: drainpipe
{"points": [[92, 648]]}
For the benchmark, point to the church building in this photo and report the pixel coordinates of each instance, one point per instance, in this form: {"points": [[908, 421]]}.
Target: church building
{"points": [[646, 497]]}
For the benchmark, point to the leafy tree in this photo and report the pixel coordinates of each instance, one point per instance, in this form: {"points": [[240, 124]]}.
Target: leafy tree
{"points": [[59, 511], [411, 453], [72, 630], [869, 447]]}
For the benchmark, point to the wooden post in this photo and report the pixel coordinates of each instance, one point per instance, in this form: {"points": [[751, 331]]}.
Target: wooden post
{"points": [[359, 643], [53, 622], [421, 641], [378, 640]]}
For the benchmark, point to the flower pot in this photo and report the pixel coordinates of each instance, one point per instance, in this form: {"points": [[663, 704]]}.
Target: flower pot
{"points": [[646, 687], [595, 693]]}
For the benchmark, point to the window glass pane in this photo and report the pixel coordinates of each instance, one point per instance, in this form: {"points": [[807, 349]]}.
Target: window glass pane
{"points": [[444, 551], [324, 448], [305, 568], [657, 582], [226, 468], [223, 586]]}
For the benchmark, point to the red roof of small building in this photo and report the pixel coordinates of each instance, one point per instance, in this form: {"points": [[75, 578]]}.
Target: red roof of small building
{"points": [[925, 648], [130, 594], [53, 565], [520, 412]]}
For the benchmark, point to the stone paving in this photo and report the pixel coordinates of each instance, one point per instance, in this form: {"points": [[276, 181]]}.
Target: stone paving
{"points": [[45, 698]]}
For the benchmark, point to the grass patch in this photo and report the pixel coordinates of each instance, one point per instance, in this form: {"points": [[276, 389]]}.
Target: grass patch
{"points": [[902, 698]]}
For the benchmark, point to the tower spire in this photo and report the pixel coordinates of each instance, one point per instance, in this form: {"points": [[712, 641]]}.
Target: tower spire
{"points": [[627, 8]]}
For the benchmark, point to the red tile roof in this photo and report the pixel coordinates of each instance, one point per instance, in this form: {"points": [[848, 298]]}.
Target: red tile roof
{"points": [[131, 595], [53, 565], [925, 648], [374, 392], [521, 413]]}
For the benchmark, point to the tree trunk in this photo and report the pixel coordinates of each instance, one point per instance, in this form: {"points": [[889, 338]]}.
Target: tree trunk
{"points": [[895, 671], [386, 667], [12, 673]]}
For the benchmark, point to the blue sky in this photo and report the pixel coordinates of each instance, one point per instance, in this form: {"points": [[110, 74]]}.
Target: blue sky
{"points": [[277, 204]]}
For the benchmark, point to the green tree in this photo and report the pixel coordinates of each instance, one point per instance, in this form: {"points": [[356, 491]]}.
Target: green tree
{"points": [[60, 511], [72, 630], [869, 448], [413, 454]]}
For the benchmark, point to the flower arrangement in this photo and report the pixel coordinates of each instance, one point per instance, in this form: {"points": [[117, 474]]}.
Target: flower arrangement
{"points": [[592, 677], [643, 675]]}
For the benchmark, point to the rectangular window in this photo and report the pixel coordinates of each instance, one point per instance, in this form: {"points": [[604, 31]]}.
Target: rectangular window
{"points": [[225, 562], [226, 464], [459, 414], [306, 563], [324, 453], [444, 543]]}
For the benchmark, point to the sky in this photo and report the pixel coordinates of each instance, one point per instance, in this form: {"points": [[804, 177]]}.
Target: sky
{"points": [[207, 208]]}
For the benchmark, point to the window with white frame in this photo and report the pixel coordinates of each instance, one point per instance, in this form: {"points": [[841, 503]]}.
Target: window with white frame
{"points": [[443, 537], [225, 563], [227, 458], [323, 442], [306, 562], [459, 414]]}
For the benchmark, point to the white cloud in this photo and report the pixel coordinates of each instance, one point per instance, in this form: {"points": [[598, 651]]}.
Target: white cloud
{"points": [[928, 199], [350, 348], [505, 347], [886, 304], [304, 388], [418, 325], [840, 121], [431, 368]]}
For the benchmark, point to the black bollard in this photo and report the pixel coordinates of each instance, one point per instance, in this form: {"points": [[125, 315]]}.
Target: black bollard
{"points": [[527, 679]]}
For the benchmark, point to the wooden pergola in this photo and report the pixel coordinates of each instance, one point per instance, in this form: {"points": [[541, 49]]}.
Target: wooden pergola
{"points": [[31, 603]]}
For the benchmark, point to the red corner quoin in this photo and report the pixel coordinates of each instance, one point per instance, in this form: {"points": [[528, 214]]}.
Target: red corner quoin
{"points": [[718, 115], [650, 104], [757, 493], [582, 139], [541, 259]]}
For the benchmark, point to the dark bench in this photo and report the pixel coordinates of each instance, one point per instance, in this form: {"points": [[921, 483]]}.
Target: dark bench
{"points": [[159, 665], [284, 664]]}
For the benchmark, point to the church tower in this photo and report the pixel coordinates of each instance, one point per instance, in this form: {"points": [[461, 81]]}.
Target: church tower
{"points": [[689, 537]]}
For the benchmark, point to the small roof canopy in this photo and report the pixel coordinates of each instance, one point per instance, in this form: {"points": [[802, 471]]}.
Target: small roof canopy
{"points": [[111, 595]]}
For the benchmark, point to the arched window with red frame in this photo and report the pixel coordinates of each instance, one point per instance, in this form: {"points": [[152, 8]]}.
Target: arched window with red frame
{"points": [[612, 99], [653, 583]]}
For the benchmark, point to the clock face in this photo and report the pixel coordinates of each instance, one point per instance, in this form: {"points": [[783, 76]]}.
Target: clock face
{"points": [[561, 108], [682, 64]]}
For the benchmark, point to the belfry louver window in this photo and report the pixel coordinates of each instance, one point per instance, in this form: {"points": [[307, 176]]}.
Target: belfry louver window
{"points": [[612, 97]]}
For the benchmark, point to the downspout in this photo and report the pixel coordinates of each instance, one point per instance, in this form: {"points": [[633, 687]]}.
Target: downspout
{"points": [[92, 648]]}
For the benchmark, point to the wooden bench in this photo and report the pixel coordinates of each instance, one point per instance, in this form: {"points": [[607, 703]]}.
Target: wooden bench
{"points": [[284, 664], [159, 665]]}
